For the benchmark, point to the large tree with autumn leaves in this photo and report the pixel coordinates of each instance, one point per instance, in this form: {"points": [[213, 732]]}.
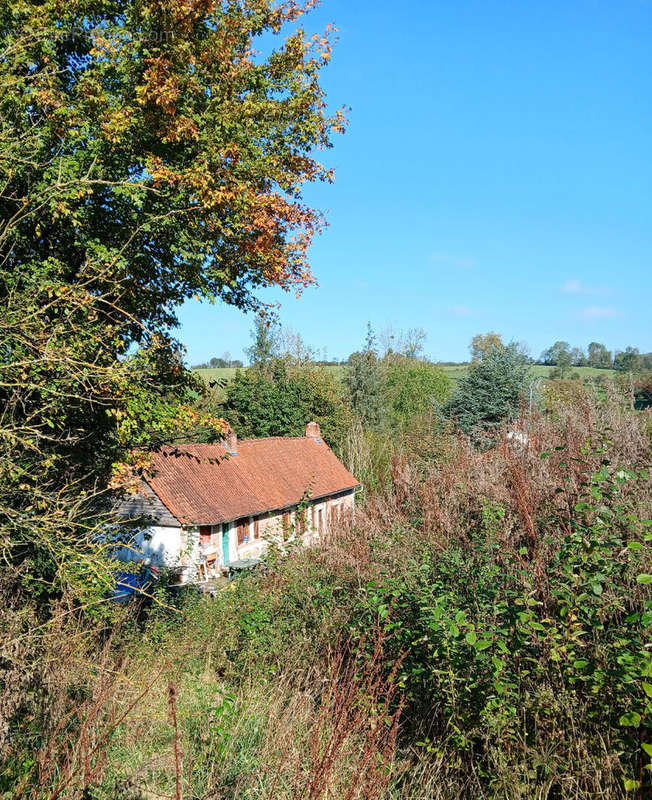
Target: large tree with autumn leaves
{"points": [[149, 152]]}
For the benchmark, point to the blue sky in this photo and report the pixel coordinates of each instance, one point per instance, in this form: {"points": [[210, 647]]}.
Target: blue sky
{"points": [[496, 175]]}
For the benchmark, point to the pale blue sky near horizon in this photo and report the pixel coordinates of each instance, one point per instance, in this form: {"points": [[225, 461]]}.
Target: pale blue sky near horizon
{"points": [[496, 175]]}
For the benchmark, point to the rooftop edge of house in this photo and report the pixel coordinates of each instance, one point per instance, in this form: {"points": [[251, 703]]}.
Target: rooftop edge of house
{"points": [[313, 498], [227, 451]]}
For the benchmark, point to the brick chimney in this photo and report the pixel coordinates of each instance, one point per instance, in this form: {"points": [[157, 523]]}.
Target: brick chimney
{"points": [[312, 430], [231, 442]]}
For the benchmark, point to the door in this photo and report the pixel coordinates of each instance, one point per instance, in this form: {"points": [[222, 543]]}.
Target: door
{"points": [[225, 544]]}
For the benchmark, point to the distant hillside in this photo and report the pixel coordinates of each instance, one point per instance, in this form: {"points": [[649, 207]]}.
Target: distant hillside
{"points": [[216, 373], [454, 371], [538, 370], [228, 373]]}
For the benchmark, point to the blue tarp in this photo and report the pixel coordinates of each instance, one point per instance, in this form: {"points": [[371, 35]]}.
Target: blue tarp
{"points": [[131, 584]]}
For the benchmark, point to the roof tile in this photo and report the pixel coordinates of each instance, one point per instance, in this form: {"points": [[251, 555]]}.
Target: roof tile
{"points": [[203, 484]]}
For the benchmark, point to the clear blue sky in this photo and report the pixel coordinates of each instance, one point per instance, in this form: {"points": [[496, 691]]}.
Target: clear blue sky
{"points": [[496, 175]]}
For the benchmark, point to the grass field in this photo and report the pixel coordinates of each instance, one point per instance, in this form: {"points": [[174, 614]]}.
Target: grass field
{"points": [[216, 373], [454, 372], [538, 370]]}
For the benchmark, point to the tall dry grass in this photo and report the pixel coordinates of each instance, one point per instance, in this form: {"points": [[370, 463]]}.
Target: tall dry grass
{"points": [[121, 723], [446, 498]]}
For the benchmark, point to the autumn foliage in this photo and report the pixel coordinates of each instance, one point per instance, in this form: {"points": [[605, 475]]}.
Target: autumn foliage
{"points": [[149, 153]]}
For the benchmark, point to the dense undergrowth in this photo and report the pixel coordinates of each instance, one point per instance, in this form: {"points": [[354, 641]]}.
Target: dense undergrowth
{"points": [[481, 630]]}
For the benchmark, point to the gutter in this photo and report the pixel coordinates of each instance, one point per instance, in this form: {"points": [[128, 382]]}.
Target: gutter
{"points": [[353, 489]]}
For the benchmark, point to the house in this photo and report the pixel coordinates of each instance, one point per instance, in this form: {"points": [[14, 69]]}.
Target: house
{"points": [[209, 505]]}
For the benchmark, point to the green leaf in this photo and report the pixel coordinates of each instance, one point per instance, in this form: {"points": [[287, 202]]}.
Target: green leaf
{"points": [[471, 638], [644, 577], [647, 748], [631, 719], [630, 784], [483, 644], [647, 688]]}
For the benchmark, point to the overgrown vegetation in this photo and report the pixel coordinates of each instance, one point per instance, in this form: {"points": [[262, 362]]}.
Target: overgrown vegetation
{"points": [[482, 629]]}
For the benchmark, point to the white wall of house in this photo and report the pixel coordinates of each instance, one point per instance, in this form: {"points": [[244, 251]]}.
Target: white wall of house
{"points": [[161, 545], [168, 547], [165, 547]]}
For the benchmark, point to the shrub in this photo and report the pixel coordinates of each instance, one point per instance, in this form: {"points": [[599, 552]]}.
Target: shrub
{"points": [[281, 399], [489, 392], [481, 630], [413, 387]]}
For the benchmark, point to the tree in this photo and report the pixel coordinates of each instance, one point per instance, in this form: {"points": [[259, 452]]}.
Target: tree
{"points": [[292, 346], [578, 359], [363, 381], [412, 342], [599, 357], [559, 355], [489, 392], [627, 360], [264, 347], [137, 170], [281, 399], [562, 357], [483, 345], [413, 387], [408, 343]]}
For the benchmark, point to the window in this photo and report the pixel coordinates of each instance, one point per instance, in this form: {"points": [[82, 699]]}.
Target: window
{"points": [[320, 520], [243, 530], [257, 528], [333, 515], [204, 534]]}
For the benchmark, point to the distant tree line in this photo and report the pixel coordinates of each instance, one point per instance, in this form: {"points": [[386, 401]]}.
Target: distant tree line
{"points": [[562, 356], [218, 363], [384, 387], [389, 392]]}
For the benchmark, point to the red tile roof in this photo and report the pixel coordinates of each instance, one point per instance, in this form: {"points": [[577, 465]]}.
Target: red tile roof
{"points": [[202, 484]]}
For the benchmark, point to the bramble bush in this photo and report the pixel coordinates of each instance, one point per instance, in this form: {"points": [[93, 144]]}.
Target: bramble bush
{"points": [[503, 652]]}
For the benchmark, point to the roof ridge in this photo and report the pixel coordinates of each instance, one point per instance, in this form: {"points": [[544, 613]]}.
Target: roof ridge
{"points": [[240, 441], [274, 438]]}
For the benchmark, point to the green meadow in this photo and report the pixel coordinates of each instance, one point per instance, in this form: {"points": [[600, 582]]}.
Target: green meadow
{"points": [[454, 371]]}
